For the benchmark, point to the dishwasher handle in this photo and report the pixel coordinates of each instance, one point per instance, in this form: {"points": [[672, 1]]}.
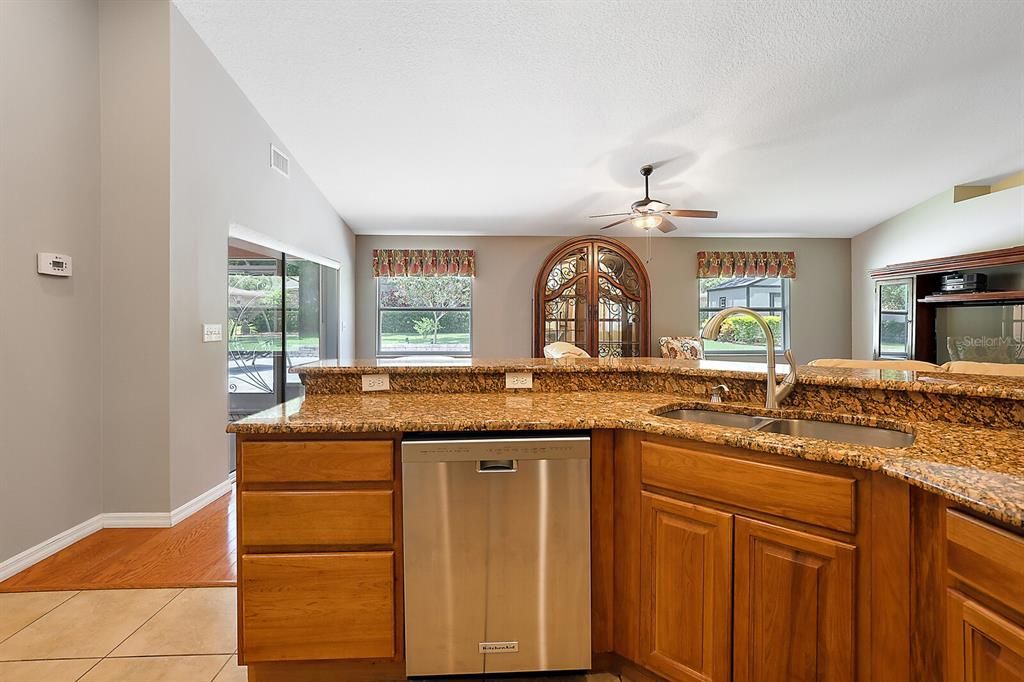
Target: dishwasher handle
{"points": [[497, 466]]}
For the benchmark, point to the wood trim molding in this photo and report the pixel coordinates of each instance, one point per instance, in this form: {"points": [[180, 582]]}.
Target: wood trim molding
{"points": [[974, 296], [980, 259]]}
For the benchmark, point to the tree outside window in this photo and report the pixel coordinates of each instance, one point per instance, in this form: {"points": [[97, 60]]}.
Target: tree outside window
{"points": [[424, 315]]}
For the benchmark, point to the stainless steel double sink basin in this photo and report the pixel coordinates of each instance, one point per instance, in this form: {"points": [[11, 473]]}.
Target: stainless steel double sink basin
{"points": [[852, 434]]}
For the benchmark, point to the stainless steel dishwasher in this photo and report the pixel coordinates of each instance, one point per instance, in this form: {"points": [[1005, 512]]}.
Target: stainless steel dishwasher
{"points": [[497, 554]]}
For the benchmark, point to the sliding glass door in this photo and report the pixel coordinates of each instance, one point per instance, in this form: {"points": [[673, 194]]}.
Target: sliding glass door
{"points": [[255, 328], [302, 318], [282, 313]]}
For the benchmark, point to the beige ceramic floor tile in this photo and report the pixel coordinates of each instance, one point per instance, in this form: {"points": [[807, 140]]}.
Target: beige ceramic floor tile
{"points": [[19, 609], [197, 621], [232, 672], [156, 669], [67, 670], [89, 625]]}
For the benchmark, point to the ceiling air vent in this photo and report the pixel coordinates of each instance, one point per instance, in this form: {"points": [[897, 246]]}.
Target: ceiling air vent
{"points": [[278, 161]]}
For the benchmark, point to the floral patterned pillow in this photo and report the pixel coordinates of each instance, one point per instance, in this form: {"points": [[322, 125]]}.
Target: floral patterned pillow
{"points": [[682, 347]]}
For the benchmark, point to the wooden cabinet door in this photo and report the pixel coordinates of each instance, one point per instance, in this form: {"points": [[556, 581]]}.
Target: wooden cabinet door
{"points": [[685, 589], [794, 606], [981, 645], [317, 606]]}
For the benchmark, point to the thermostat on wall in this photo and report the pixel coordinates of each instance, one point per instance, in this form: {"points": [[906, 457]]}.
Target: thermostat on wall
{"points": [[53, 264]]}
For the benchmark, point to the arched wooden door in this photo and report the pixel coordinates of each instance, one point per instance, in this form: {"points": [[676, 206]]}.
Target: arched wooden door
{"points": [[594, 293]]}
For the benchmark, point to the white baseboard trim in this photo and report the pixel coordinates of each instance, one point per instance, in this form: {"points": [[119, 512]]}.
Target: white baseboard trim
{"points": [[33, 555], [137, 520], [195, 504]]}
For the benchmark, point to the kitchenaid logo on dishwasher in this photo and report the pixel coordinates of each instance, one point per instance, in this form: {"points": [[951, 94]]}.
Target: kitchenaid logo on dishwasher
{"points": [[499, 647]]}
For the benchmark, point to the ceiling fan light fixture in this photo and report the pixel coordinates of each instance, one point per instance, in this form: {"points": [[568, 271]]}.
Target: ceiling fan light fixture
{"points": [[646, 222], [656, 205]]}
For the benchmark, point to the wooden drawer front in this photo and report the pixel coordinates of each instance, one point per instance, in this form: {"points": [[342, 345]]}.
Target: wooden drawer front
{"points": [[987, 558], [339, 517], [316, 461], [811, 497], [317, 606]]}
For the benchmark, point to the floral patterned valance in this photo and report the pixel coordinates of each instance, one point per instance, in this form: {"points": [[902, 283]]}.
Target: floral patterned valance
{"points": [[424, 263], [746, 264]]}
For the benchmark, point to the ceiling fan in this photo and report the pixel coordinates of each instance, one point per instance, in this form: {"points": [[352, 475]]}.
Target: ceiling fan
{"points": [[648, 212]]}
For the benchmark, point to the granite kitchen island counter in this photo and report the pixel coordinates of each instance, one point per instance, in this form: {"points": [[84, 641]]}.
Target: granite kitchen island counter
{"points": [[682, 513], [977, 466]]}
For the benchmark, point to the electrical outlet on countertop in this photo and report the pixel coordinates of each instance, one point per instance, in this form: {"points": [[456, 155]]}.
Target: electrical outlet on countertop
{"points": [[376, 382], [518, 379]]}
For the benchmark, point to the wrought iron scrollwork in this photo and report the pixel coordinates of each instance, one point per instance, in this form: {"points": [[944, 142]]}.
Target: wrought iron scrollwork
{"points": [[615, 266], [565, 270]]}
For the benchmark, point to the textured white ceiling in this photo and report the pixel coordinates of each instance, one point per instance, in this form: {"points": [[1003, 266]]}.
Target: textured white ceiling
{"points": [[790, 117]]}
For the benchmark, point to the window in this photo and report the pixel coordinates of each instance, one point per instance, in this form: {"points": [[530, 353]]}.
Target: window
{"points": [[768, 296], [424, 316], [893, 338]]}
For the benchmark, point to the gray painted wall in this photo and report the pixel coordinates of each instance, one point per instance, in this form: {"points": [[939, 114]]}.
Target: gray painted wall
{"points": [[932, 229], [507, 267], [50, 473], [220, 174], [127, 146], [135, 200]]}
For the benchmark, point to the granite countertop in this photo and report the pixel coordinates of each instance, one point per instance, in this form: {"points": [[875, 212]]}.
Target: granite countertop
{"points": [[988, 386], [980, 468]]}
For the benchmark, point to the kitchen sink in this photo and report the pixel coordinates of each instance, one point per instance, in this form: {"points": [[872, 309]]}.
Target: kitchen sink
{"points": [[853, 434], [840, 433], [740, 421]]}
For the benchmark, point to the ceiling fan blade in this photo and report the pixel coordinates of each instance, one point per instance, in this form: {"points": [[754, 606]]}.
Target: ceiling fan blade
{"points": [[615, 223], [608, 215], [666, 226], [687, 213]]}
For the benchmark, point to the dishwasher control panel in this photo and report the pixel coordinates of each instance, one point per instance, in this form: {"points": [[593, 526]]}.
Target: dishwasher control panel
{"points": [[469, 449]]}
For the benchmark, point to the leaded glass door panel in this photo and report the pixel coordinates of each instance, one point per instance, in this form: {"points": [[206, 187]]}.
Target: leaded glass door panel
{"points": [[620, 297], [594, 294], [566, 308]]}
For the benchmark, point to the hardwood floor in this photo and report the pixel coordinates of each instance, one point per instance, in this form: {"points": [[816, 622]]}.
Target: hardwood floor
{"points": [[198, 552]]}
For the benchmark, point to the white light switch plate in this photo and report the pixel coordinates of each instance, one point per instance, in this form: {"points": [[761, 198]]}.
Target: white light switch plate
{"points": [[518, 379], [376, 382], [213, 332]]}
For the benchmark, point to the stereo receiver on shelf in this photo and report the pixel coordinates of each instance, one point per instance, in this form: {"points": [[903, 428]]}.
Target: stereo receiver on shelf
{"points": [[956, 282]]}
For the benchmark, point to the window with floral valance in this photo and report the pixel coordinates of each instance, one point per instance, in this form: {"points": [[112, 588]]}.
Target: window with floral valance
{"points": [[781, 264], [424, 263], [757, 280]]}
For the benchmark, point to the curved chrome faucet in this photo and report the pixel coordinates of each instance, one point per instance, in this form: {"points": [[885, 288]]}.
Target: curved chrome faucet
{"points": [[775, 392]]}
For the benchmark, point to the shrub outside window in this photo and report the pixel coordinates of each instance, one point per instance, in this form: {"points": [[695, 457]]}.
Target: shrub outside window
{"points": [[767, 296], [424, 316]]}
